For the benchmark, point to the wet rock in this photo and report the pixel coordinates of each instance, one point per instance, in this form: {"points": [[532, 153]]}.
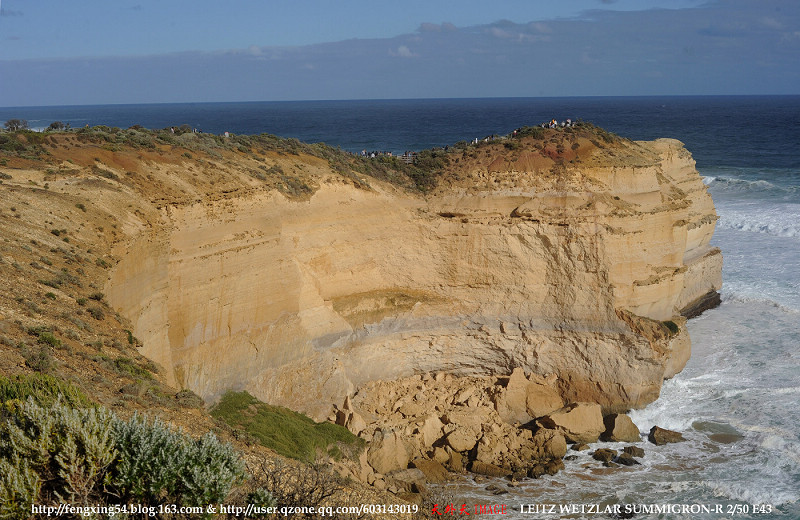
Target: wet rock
{"points": [[518, 475], [580, 447], [660, 436], [490, 470], [626, 459], [496, 490], [604, 454], [550, 444], [536, 471], [633, 451], [620, 428], [554, 466], [610, 464]]}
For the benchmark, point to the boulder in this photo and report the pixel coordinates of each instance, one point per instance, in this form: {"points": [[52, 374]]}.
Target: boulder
{"points": [[456, 462], [462, 439], [387, 452], [433, 471], [542, 399], [579, 422], [633, 451], [604, 454], [490, 470], [431, 430], [512, 404], [551, 444], [626, 459], [355, 423], [660, 436], [409, 480], [620, 428]]}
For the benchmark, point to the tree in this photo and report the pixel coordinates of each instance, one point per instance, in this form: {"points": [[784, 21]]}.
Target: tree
{"points": [[12, 125], [56, 126]]}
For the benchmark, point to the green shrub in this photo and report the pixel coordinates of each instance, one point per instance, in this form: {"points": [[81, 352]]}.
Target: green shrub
{"points": [[126, 366], [96, 313], [47, 338], [42, 388], [158, 465], [69, 448], [19, 489], [287, 432], [40, 360], [57, 453]]}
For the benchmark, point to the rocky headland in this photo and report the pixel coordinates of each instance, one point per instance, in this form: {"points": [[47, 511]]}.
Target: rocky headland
{"points": [[478, 310]]}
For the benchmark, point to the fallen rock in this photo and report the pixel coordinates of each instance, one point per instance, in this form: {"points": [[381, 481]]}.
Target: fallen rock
{"points": [[626, 459], [579, 422], [433, 471], [409, 480], [551, 443], [462, 439], [580, 447], [387, 452], [456, 462], [633, 451], [542, 399], [660, 436], [536, 471], [431, 430], [511, 404], [490, 470], [554, 466], [620, 428], [604, 454]]}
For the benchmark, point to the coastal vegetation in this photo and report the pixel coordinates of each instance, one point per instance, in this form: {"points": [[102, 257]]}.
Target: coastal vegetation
{"points": [[422, 172], [289, 433], [58, 447]]}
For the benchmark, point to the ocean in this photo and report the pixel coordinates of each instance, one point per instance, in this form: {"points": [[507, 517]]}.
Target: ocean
{"points": [[736, 401]]}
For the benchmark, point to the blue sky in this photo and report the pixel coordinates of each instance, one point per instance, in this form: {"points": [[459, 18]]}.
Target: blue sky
{"points": [[92, 51]]}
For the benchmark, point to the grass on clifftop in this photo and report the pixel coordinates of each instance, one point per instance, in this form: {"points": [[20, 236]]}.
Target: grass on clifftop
{"points": [[289, 433]]}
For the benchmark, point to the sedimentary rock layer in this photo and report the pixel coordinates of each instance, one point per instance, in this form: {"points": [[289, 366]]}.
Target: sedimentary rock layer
{"points": [[577, 270]]}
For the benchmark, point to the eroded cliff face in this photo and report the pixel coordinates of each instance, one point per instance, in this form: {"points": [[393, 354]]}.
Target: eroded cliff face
{"points": [[561, 268]]}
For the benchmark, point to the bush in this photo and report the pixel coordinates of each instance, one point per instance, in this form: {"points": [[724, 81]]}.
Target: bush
{"points": [[19, 489], [287, 432], [68, 448], [96, 312], [158, 465], [57, 453], [42, 388]]}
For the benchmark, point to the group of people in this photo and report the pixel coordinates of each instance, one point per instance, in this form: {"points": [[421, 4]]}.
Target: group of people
{"points": [[555, 124]]}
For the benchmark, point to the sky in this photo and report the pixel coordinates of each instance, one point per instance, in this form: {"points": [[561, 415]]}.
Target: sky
{"points": [[54, 52]]}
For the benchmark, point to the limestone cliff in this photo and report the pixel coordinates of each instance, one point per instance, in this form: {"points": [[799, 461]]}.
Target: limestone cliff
{"points": [[559, 261]]}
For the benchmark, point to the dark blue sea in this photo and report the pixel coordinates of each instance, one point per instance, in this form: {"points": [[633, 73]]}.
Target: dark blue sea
{"points": [[744, 375]]}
